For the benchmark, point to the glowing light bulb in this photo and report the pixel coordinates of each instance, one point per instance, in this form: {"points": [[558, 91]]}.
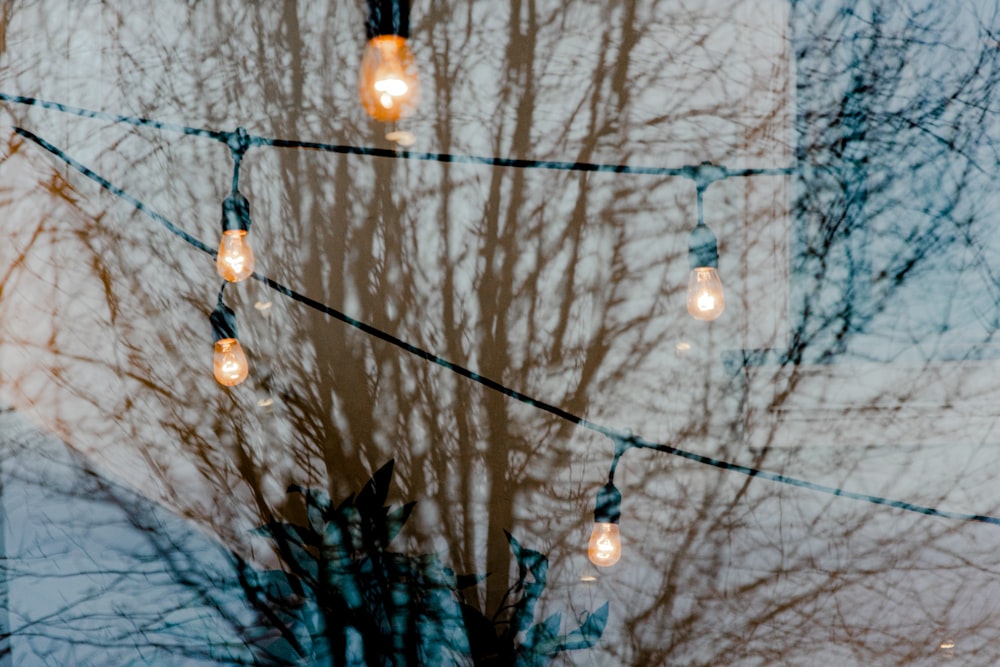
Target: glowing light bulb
{"points": [[388, 83], [230, 362], [705, 298], [235, 261], [605, 548]]}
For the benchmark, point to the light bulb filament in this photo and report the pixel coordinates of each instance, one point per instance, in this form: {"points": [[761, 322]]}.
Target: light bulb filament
{"points": [[235, 262], [605, 548], [706, 301], [705, 297], [392, 86]]}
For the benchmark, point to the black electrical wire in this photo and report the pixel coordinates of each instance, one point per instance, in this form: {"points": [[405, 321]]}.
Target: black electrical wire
{"points": [[312, 303], [115, 118], [623, 439], [118, 192], [704, 174]]}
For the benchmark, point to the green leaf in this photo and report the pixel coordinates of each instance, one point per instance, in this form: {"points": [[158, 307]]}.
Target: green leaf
{"points": [[315, 497], [542, 643], [345, 588], [274, 585], [463, 581], [292, 542], [528, 560], [337, 546], [541, 634], [395, 520], [372, 497], [589, 632], [345, 503], [524, 610], [483, 641], [275, 651], [317, 506]]}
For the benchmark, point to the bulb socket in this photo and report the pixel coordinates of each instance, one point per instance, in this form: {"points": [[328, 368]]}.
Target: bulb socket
{"points": [[388, 17], [608, 508], [703, 248], [223, 321], [235, 212]]}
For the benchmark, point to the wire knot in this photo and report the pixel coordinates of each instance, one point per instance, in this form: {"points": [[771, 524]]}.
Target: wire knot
{"points": [[707, 173], [238, 141]]}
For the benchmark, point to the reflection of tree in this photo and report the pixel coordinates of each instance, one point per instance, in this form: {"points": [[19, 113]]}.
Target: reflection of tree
{"points": [[894, 106], [98, 575], [559, 283]]}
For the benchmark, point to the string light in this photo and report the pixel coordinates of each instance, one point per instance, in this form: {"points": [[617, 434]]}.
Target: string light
{"points": [[705, 297], [235, 257], [235, 261], [388, 84], [605, 546], [703, 174], [229, 360]]}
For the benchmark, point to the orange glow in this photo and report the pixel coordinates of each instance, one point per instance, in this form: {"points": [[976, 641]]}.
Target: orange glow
{"points": [[605, 546], [231, 367], [705, 298], [388, 83], [235, 261]]}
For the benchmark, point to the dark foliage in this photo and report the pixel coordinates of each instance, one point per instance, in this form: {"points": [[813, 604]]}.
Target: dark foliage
{"points": [[346, 599]]}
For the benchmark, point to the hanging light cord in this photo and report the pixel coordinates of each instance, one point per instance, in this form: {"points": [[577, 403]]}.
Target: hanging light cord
{"points": [[622, 442], [700, 195], [220, 303], [239, 142], [702, 174], [705, 172]]}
